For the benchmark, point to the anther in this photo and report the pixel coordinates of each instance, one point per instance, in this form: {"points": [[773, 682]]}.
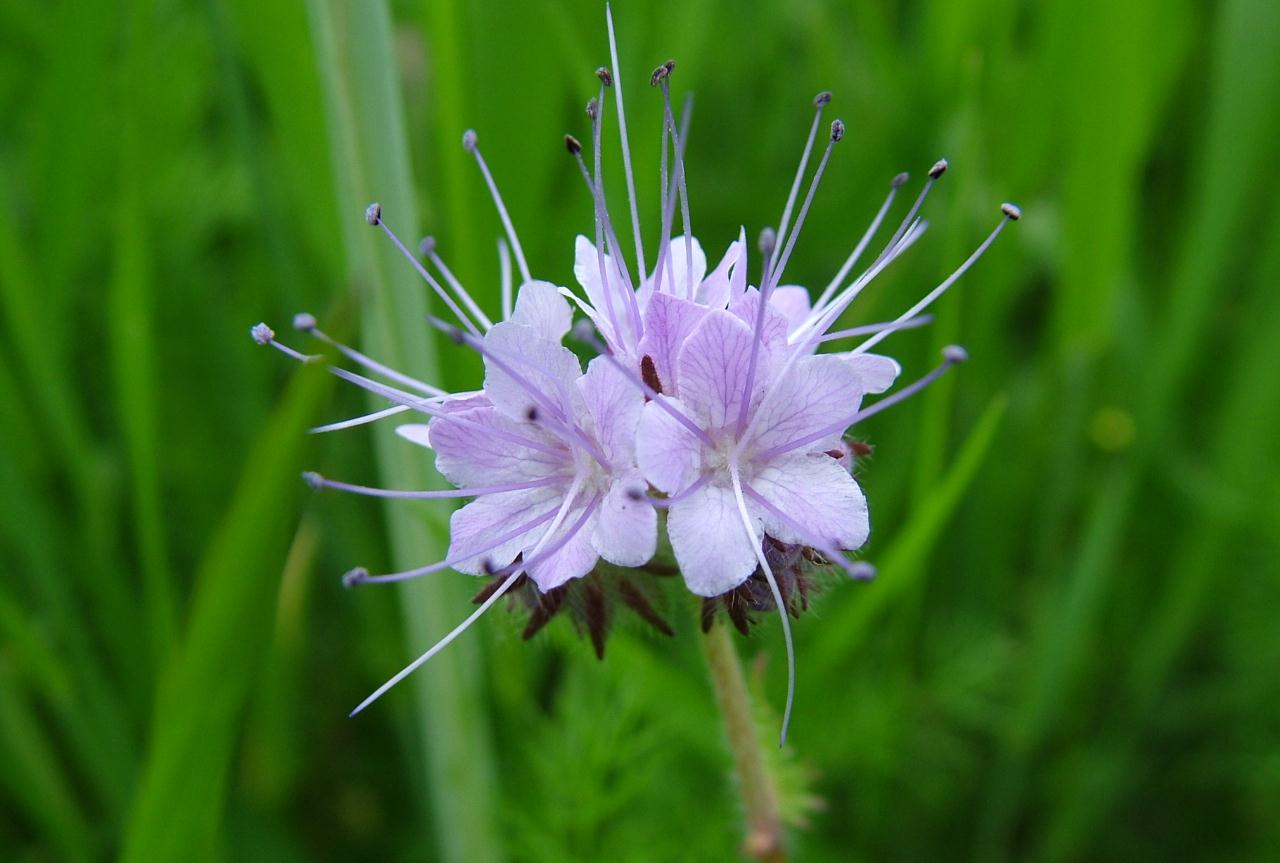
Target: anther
{"points": [[860, 570], [768, 241], [531, 414], [373, 213], [593, 108], [635, 494], [901, 180], [426, 246], [837, 130], [304, 322], [469, 140], [661, 73], [1013, 211], [583, 331], [573, 145], [605, 76], [955, 354], [262, 334], [359, 575], [939, 168], [313, 479], [822, 99]]}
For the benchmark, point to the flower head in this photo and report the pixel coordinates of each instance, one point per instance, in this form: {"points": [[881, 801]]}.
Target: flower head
{"points": [[709, 402]]}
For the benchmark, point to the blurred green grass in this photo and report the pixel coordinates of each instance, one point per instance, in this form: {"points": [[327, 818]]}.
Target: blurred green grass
{"points": [[1071, 651]]}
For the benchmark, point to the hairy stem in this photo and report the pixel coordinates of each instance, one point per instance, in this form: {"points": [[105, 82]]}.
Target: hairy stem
{"points": [[755, 783]]}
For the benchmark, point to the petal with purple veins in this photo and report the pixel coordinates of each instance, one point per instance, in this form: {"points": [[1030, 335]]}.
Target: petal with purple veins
{"points": [[710, 542], [817, 495]]}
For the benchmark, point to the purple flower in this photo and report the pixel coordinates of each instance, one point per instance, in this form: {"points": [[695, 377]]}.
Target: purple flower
{"points": [[707, 390]]}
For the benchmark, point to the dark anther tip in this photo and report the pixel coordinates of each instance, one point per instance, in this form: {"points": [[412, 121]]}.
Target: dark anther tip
{"points": [[573, 145], [822, 99], [359, 575], [939, 168], [1013, 211], [373, 213], [605, 76]]}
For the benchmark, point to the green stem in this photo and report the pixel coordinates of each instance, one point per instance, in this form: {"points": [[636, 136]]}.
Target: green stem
{"points": [[755, 783]]}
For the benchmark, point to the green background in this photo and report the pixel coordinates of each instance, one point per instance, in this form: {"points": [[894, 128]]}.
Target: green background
{"points": [[1071, 652]]}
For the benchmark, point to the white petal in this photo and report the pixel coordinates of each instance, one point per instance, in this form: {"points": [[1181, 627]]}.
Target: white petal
{"points": [[613, 405], [713, 369], [815, 393], [574, 559], [537, 363], [419, 433], [667, 453], [475, 448], [816, 494], [710, 542], [877, 372], [626, 530], [474, 527], [540, 307]]}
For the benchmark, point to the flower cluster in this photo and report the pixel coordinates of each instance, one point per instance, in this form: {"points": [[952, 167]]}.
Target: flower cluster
{"points": [[707, 410]]}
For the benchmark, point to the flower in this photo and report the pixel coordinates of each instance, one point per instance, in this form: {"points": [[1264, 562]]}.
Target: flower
{"points": [[708, 400]]}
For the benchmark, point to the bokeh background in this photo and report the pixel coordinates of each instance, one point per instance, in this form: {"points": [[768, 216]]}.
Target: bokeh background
{"points": [[1071, 652]]}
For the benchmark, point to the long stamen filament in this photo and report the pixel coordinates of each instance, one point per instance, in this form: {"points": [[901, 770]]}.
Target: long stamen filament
{"points": [[757, 547], [317, 481], [307, 323], [373, 215], [855, 569], [1011, 213], [863, 242], [469, 142], [504, 267], [428, 245], [626, 146], [819, 103]]}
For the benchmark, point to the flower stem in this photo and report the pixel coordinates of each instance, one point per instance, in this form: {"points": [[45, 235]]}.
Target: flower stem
{"points": [[755, 783]]}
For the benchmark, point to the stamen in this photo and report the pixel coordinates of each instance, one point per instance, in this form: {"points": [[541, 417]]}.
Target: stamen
{"points": [[939, 168], [317, 481], [306, 323], [865, 240], [360, 575], [819, 102], [360, 420], [399, 397], [626, 146], [767, 243], [777, 600], [428, 247], [1008, 216], [504, 267], [470, 144], [373, 215], [670, 193], [677, 140], [951, 356], [872, 329], [837, 132], [597, 197]]}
